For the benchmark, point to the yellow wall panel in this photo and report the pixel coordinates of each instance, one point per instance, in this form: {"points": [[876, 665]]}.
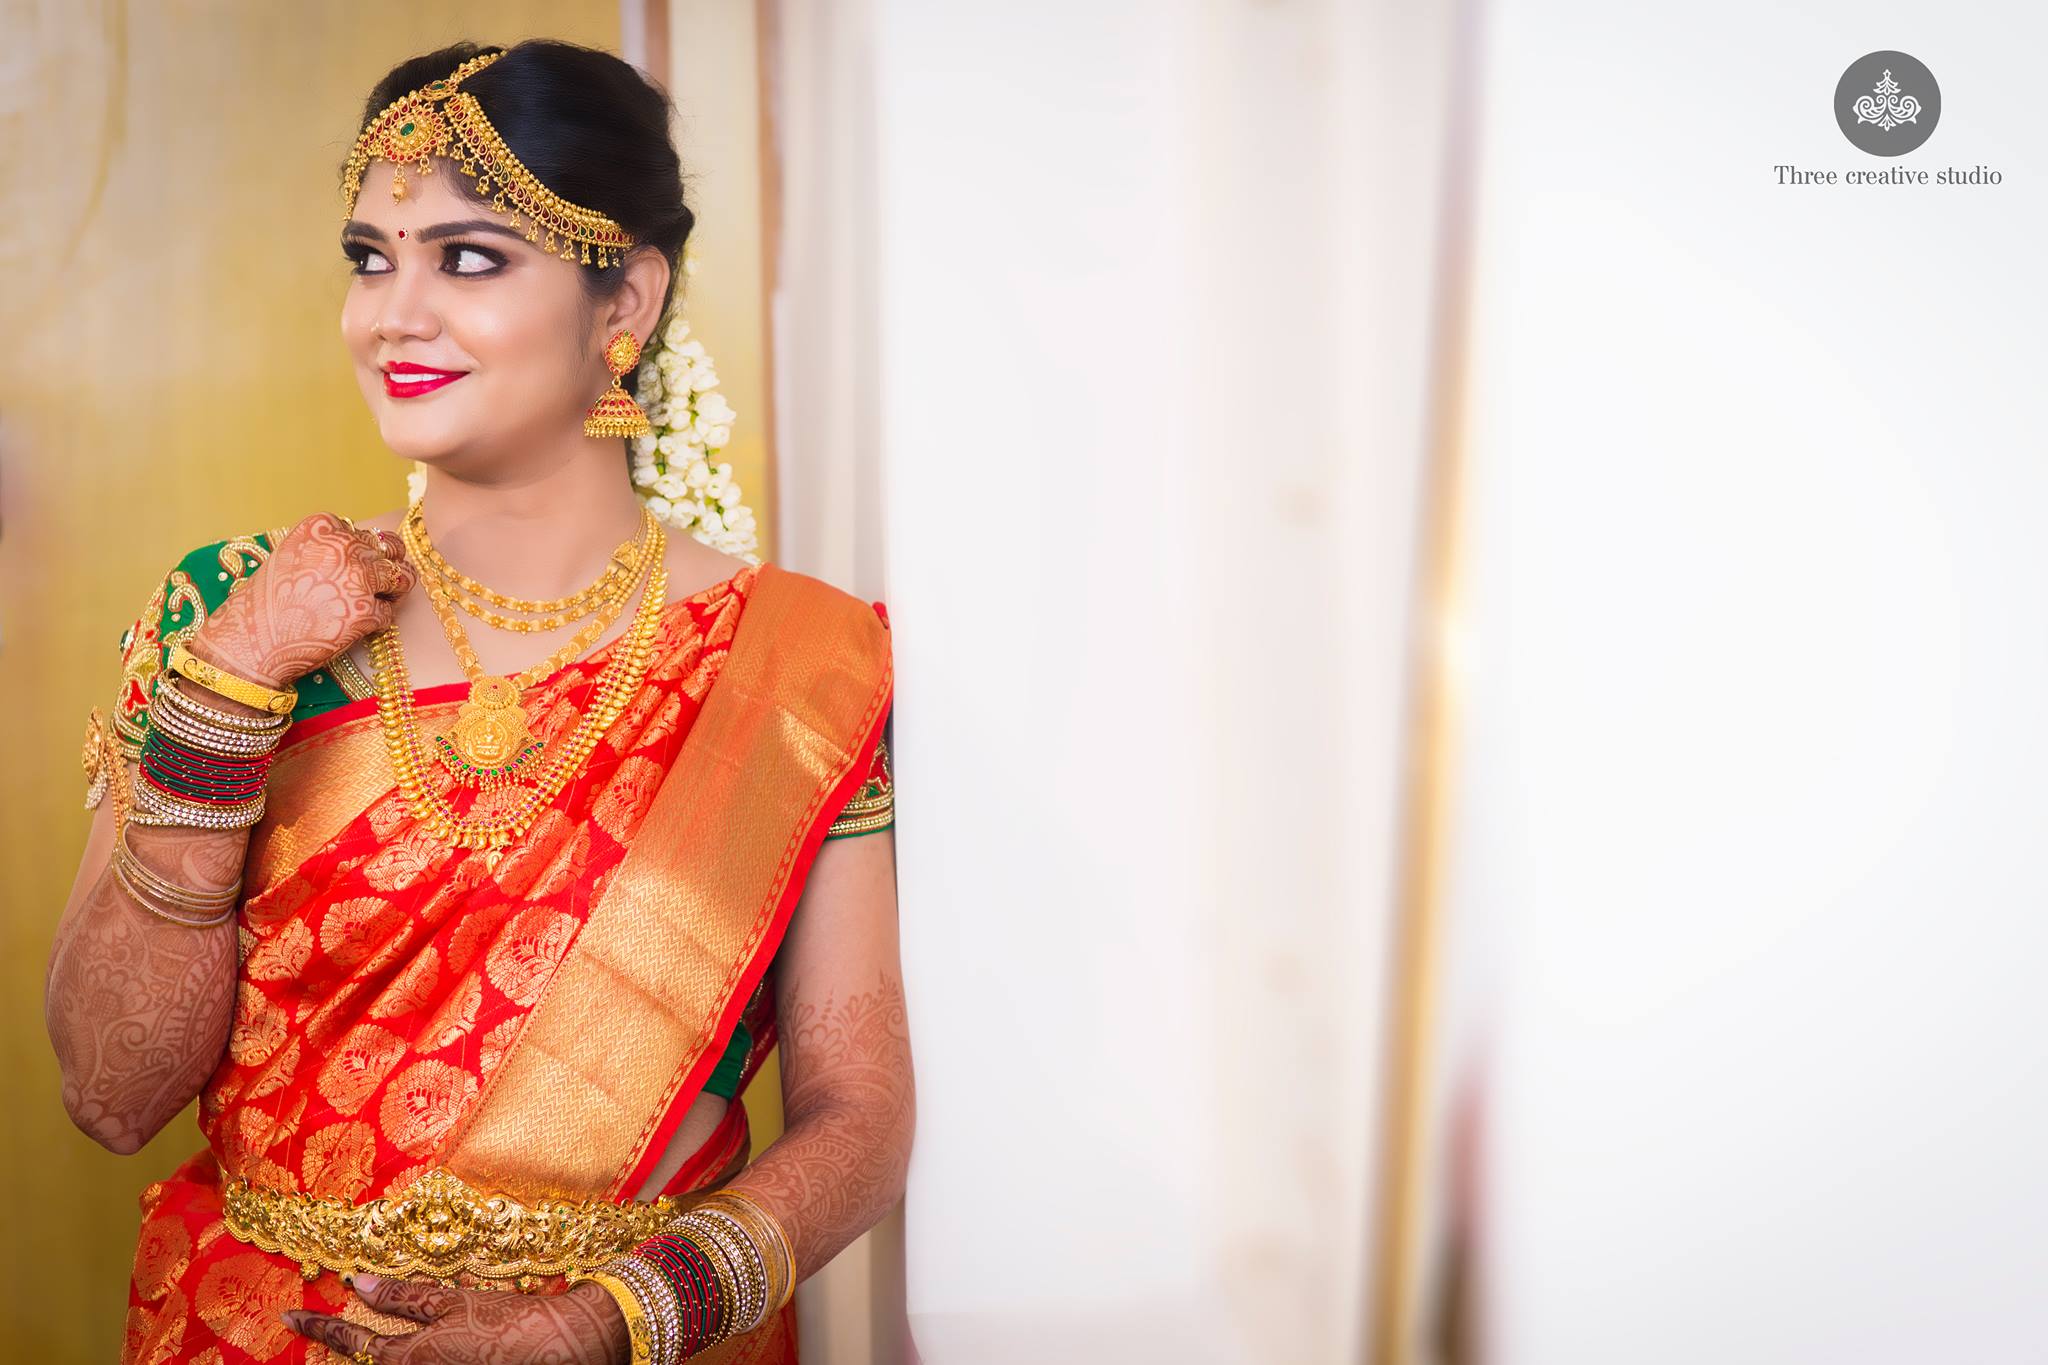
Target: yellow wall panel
{"points": [[171, 371]]}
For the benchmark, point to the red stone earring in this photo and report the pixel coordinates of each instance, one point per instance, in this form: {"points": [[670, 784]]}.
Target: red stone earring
{"points": [[615, 413]]}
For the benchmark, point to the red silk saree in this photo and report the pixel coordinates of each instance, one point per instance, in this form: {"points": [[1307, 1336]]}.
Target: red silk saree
{"points": [[536, 1029]]}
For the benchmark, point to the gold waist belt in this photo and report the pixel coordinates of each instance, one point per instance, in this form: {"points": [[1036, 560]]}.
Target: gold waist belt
{"points": [[439, 1226]]}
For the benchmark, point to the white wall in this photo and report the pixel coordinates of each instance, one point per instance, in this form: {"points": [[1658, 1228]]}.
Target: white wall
{"points": [[1754, 781], [1153, 376], [816, 95]]}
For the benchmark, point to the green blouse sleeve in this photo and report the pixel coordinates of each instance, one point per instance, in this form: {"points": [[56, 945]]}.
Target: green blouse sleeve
{"points": [[873, 807], [196, 587]]}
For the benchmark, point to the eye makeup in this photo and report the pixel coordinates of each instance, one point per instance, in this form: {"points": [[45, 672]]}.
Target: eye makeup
{"points": [[361, 253]]}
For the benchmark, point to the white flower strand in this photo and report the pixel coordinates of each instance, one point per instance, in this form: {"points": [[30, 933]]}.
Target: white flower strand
{"points": [[676, 470]]}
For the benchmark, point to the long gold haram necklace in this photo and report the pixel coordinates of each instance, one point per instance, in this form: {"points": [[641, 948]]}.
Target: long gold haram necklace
{"points": [[620, 681], [492, 742], [549, 614]]}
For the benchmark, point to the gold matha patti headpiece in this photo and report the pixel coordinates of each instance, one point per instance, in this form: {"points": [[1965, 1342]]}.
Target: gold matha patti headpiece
{"points": [[440, 119]]}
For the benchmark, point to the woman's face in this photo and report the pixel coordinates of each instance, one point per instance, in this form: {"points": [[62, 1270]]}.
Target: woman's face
{"points": [[467, 339]]}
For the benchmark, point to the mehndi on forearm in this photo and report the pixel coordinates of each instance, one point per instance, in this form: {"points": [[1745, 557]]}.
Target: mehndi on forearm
{"points": [[735, 1258], [840, 1163], [139, 1008], [139, 1000]]}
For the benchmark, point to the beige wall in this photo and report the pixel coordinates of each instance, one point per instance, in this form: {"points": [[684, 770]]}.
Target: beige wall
{"points": [[170, 373]]}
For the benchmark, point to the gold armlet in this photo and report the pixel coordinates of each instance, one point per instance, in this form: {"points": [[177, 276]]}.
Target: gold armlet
{"points": [[186, 664], [99, 758]]}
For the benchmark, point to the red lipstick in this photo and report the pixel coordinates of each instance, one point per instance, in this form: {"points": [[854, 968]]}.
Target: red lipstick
{"points": [[398, 382]]}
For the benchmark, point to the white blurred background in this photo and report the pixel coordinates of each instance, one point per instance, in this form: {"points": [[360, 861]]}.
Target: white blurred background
{"points": [[1690, 755], [1750, 873]]}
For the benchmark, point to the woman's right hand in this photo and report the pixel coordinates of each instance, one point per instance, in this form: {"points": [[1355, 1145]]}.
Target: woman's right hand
{"points": [[325, 586], [580, 1326]]}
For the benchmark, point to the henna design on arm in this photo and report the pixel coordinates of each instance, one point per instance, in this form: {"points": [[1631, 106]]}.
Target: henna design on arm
{"points": [[139, 1009], [581, 1326], [313, 599], [851, 1104]]}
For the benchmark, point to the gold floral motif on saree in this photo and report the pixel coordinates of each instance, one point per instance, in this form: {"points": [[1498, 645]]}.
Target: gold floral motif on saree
{"points": [[240, 1298], [422, 1104]]}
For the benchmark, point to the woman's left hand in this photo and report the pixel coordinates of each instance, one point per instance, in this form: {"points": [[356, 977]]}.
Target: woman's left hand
{"points": [[475, 1326]]}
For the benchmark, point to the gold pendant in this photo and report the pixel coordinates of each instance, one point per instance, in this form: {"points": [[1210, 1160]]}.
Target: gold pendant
{"points": [[490, 742]]}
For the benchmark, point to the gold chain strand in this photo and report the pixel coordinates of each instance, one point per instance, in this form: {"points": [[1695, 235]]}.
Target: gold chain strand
{"points": [[465, 653], [490, 745], [619, 573], [512, 824], [622, 678], [529, 625], [623, 567], [492, 742]]}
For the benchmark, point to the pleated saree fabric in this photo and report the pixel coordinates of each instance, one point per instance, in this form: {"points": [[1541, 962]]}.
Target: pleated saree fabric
{"points": [[537, 1029]]}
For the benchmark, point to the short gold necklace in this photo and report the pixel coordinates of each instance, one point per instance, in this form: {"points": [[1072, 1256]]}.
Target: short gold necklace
{"points": [[492, 742], [618, 684], [549, 614]]}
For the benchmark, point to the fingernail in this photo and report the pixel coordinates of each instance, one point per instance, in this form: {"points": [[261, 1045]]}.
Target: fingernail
{"points": [[365, 1282]]}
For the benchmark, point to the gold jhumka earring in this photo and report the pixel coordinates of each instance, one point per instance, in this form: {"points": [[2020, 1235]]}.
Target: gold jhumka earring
{"points": [[615, 413]]}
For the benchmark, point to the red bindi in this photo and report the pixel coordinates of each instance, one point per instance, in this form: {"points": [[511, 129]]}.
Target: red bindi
{"points": [[401, 234]]}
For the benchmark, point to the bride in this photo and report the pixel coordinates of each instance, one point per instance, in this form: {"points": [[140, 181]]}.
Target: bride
{"points": [[464, 862]]}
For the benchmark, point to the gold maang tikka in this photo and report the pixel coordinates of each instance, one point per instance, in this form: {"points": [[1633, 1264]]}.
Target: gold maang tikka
{"points": [[440, 119]]}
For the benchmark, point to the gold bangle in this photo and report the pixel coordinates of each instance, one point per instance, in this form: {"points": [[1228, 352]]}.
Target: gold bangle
{"points": [[147, 890], [186, 664], [184, 897], [629, 1305], [155, 806], [658, 1302], [778, 1258]]}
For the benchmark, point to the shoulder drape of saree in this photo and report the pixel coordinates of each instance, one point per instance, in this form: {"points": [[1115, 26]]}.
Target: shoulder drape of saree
{"points": [[635, 1017]]}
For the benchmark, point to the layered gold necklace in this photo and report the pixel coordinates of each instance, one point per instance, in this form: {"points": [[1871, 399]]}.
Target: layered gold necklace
{"points": [[550, 614], [499, 749], [492, 742]]}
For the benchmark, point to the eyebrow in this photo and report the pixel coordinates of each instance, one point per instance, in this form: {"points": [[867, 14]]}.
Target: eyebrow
{"points": [[356, 227]]}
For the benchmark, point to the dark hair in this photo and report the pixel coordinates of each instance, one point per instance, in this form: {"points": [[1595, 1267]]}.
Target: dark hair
{"points": [[587, 124]]}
